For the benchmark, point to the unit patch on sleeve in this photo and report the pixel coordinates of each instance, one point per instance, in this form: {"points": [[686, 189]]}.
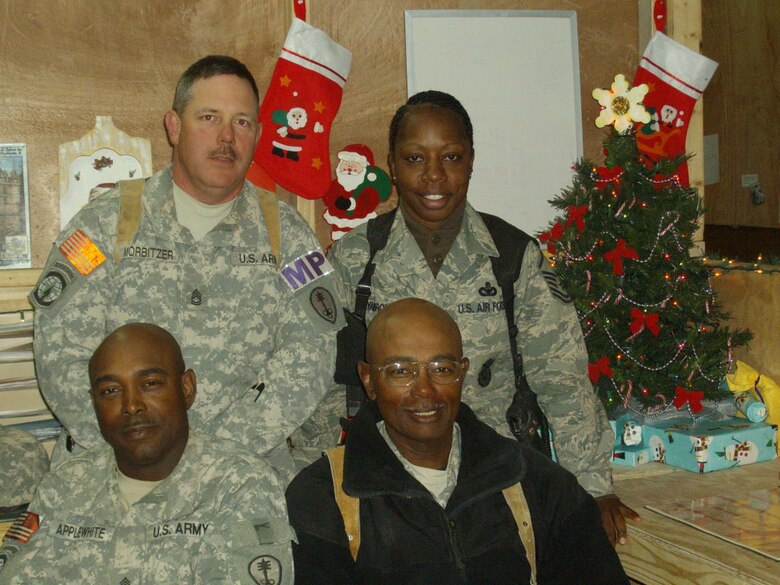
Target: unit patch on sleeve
{"points": [[555, 286], [309, 279], [82, 252], [266, 569], [56, 281]]}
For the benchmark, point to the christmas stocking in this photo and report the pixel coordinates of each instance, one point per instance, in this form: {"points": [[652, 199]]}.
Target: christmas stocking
{"points": [[676, 77], [299, 108]]}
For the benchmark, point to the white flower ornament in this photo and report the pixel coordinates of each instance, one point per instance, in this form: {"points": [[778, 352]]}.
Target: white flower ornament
{"points": [[621, 107]]}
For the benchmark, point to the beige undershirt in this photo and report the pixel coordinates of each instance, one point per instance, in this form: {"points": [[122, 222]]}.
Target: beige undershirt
{"points": [[132, 490], [198, 217], [435, 244]]}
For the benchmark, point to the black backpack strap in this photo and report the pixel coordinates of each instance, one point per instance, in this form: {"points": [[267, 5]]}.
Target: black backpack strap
{"points": [[524, 416], [377, 232]]}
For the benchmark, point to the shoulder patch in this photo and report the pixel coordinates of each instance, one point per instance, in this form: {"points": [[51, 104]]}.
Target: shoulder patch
{"points": [[305, 269], [53, 284], [24, 527], [556, 289], [266, 569], [82, 252]]}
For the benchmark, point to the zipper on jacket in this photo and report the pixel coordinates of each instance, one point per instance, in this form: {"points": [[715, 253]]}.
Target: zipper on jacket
{"points": [[454, 542]]}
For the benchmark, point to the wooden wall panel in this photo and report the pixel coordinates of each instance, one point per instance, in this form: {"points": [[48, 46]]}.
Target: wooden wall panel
{"points": [[743, 106], [752, 301], [63, 63]]}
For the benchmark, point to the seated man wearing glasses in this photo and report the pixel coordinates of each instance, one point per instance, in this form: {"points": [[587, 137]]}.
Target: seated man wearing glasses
{"points": [[423, 492]]}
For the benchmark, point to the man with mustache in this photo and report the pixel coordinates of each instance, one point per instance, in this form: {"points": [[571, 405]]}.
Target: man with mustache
{"points": [[158, 504], [427, 493], [234, 274]]}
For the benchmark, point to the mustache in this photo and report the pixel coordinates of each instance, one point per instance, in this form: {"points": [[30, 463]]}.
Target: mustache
{"points": [[224, 150], [132, 425]]}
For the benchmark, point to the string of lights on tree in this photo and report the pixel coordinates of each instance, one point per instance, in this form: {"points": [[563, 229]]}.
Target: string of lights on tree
{"points": [[621, 245]]}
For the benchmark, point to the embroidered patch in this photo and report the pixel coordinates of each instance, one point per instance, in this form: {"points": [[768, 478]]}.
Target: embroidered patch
{"points": [[305, 269], [555, 286], [82, 252], [266, 569], [488, 290], [50, 288], [323, 303], [25, 526], [78, 532]]}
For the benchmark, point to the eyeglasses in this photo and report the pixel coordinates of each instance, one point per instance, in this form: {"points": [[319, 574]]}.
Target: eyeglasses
{"points": [[405, 373]]}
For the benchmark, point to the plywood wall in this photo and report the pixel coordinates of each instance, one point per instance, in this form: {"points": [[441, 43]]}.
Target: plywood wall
{"points": [[743, 108], [64, 62]]}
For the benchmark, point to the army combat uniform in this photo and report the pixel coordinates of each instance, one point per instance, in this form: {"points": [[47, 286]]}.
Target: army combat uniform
{"points": [[549, 339], [219, 517], [23, 462], [256, 329]]}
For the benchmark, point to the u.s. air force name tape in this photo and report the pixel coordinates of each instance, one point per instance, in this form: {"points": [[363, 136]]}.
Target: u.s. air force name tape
{"points": [[309, 279]]}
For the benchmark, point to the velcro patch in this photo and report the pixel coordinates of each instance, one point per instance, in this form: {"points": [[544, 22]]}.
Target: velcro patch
{"points": [[305, 269], [557, 290], [25, 526], [82, 252], [79, 532], [266, 569]]}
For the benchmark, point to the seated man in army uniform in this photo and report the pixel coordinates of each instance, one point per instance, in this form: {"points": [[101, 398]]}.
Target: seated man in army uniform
{"points": [[158, 504]]}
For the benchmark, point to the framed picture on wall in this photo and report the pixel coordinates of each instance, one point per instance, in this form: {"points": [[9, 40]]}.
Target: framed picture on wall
{"points": [[15, 249]]}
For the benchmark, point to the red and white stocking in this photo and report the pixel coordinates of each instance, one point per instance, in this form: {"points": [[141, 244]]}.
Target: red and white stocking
{"points": [[676, 77], [298, 110]]}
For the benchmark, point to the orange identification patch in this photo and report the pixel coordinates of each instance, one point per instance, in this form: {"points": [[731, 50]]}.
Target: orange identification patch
{"points": [[82, 252], [25, 526]]}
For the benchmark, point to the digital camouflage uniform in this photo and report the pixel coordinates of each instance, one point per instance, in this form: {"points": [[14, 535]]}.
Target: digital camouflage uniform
{"points": [[549, 339], [23, 462], [260, 340], [219, 517]]}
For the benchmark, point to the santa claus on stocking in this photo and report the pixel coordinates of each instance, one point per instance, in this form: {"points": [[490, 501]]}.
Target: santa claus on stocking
{"points": [[356, 191]]}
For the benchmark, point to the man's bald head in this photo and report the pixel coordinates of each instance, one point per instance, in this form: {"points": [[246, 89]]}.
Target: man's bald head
{"points": [[405, 314], [145, 333]]}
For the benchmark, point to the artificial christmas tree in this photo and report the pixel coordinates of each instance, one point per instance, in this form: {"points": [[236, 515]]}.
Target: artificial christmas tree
{"points": [[621, 249]]}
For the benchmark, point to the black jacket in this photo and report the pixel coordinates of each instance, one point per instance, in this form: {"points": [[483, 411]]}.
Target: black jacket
{"points": [[406, 537]]}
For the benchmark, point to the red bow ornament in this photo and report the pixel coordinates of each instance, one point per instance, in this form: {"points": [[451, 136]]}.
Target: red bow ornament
{"points": [[692, 398], [642, 320], [554, 235], [576, 217], [608, 176], [600, 367], [616, 256]]}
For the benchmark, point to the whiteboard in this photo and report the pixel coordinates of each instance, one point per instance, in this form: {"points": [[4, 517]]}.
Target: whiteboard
{"points": [[517, 74]]}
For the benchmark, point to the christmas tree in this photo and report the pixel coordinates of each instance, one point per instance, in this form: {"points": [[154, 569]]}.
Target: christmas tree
{"points": [[621, 248]]}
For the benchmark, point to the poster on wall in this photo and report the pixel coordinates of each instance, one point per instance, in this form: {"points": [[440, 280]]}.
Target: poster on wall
{"points": [[15, 249]]}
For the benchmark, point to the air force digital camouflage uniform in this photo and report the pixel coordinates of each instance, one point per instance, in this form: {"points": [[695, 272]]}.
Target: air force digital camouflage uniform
{"points": [[219, 517], [549, 339], [259, 338]]}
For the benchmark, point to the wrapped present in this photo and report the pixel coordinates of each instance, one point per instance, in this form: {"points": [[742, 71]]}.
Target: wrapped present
{"points": [[708, 445], [632, 455], [630, 449], [762, 388]]}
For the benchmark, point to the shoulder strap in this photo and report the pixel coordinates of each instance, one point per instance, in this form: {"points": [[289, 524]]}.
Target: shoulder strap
{"points": [[269, 205], [348, 506], [129, 220], [515, 497], [377, 232], [512, 244]]}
